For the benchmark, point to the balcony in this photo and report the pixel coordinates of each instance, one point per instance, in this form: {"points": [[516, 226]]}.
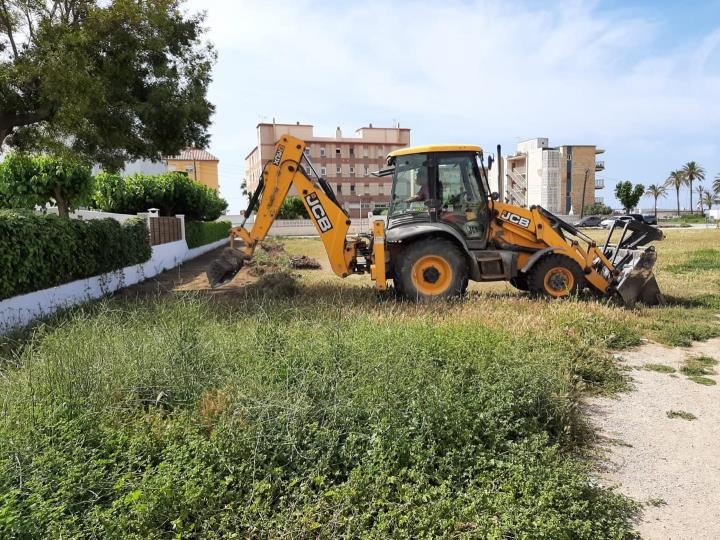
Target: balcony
{"points": [[599, 165], [599, 183]]}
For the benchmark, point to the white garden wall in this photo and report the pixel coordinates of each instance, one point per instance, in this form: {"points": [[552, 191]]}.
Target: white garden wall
{"points": [[20, 310]]}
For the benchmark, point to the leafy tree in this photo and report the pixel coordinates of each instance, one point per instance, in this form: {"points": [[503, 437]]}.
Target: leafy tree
{"points": [[716, 184], [629, 195], [29, 181], [597, 209], [293, 208], [655, 192], [171, 193], [676, 180], [692, 172], [105, 80]]}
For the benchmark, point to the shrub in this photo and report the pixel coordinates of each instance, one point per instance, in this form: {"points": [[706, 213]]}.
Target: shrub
{"points": [[41, 251], [171, 193], [293, 208], [28, 181], [199, 233]]}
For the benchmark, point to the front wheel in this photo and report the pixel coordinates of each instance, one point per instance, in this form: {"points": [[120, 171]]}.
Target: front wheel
{"points": [[556, 276], [431, 268]]}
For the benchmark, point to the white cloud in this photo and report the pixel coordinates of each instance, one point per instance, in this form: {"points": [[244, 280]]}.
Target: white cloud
{"points": [[480, 71]]}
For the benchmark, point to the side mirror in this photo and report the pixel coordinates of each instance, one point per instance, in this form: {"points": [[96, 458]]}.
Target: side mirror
{"points": [[490, 163], [495, 196]]}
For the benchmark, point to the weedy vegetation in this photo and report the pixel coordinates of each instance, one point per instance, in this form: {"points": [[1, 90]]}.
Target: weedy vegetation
{"points": [[681, 414], [329, 411], [660, 368]]}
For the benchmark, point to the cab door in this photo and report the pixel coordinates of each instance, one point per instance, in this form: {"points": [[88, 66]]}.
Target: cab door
{"points": [[462, 195]]}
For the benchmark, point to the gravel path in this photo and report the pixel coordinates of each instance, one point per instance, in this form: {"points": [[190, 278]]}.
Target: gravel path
{"points": [[672, 465]]}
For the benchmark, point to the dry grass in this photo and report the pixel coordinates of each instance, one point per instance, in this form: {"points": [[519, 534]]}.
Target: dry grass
{"points": [[693, 295]]}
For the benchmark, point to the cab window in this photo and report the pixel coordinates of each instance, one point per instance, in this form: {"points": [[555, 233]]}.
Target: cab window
{"points": [[410, 185]]}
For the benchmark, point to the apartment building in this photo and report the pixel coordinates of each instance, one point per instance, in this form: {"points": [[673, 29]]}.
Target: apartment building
{"points": [[345, 162], [200, 165], [555, 178]]}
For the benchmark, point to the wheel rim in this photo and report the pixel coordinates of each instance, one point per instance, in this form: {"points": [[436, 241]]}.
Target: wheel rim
{"points": [[432, 275], [559, 281]]}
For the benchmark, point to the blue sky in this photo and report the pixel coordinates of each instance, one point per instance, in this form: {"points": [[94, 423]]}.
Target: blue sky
{"points": [[640, 79]]}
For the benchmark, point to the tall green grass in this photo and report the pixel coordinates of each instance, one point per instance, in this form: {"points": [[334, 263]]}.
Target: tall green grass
{"points": [[318, 416]]}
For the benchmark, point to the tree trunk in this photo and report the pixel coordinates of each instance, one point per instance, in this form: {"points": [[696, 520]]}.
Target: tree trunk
{"points": [[63, 209], [678, 200], [655, 208], [691, 206]]}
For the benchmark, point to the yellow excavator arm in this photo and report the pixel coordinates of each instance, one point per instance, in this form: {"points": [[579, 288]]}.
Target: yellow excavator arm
{"points": [[289, 168]]}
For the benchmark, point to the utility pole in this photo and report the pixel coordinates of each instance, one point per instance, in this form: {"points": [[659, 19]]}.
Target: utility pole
{"points": [[582, 202]]}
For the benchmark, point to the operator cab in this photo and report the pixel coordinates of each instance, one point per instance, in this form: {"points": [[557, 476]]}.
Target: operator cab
{"points": [[441, 185]]}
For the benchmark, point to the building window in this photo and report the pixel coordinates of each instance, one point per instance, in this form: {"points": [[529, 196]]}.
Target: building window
{"points": [[307, 152], [381, 154], [323, 171], [367, 189], [381, 189], [367, 170], [338, 170], [322, 151], [352, 189], [338, 189], [352, 171], [365, 151], [352, 151], [337, 153]]}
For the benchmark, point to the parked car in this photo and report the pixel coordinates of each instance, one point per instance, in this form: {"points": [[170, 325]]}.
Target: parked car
{"points": [[650, 219], [607, 223], [590, 221]]}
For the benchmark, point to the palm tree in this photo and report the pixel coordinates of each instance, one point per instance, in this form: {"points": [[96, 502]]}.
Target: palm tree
{"points": [[701, 194], [716, 185], [655, 191], [676, 180], [692, 172], [708, 199]]}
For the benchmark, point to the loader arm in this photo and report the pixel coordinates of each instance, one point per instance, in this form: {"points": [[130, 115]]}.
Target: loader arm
{"points": [[622, 268], [283, 171]]}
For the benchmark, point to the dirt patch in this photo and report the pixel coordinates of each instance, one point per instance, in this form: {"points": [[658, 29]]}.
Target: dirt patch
{"points": [[302, 262], [266, 274], [653, 453]]}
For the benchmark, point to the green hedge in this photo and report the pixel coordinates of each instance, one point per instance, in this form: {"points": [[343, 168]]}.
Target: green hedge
{"points": [[172, 193], [199, 233], [41, 251]]}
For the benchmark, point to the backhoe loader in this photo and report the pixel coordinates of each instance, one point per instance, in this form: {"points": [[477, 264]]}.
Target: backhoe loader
{"points": [[443, 228]]}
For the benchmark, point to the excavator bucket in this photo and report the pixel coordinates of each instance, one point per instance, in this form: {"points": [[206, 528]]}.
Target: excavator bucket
{"points": [[636, 281], [225, 267]]}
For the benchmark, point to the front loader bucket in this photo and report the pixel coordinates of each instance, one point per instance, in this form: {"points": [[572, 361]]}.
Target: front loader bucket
{"points": [[225, 267], [637, 282]]}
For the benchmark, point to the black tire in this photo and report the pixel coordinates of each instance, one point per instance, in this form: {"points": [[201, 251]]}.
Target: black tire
{"points": [[556, 276], [520, 282], [431, 268]]}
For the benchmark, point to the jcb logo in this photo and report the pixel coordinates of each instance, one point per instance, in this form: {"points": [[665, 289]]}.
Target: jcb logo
{"points": [[514, 218], [318, 212], [278, 155]]}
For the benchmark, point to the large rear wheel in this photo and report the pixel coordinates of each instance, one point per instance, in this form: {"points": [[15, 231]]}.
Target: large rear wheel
{"points": [[431, 268], [556, 276]]}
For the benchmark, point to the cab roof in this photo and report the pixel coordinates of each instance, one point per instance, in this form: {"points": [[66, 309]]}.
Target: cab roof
{"points": [[435, 148]]}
